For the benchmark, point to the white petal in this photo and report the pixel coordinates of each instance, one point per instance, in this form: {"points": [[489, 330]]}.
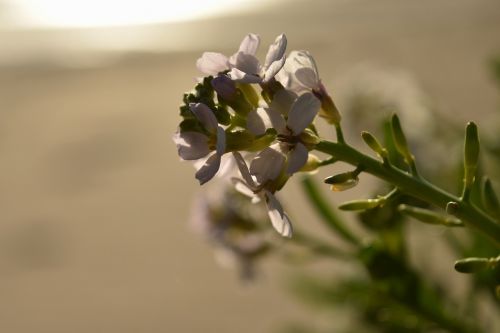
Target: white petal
{"points": [[297, 158], [209, 169], [303, 112], [205, 115], [273, 69], [250, 44], [239, 76], [283, 101], [191, 145], [242, 166], [279, 219], [212, 63], [303, 59], [243, 188], [247, 63], [267, 165], [276, 50], [276, 119], [221, 141], [307, 77], [258, 121]]}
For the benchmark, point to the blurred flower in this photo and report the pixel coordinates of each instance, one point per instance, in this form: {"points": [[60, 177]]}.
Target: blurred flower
{"points": [[222, 216]]}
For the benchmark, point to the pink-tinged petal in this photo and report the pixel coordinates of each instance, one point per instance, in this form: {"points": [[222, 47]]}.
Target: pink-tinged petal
{"points": [[297, 158], [208, 169], [239, 76], [307, 78], [276, 50], [258, 121], [303, 112], [267, 165], [191, 145], [273, 69], [245, 173], [250, 44], [220, 146], [205, 115], [283, 101], [247, 63], [212, 63], [278, 217]]}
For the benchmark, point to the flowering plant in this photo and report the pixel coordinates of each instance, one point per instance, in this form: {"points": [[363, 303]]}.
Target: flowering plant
{"points": [[253, 124]]}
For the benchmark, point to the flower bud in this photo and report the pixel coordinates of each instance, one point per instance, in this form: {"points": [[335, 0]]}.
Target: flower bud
{"points": [[430, 217], [374, 144], [472, 265], [328, 109], [250, 93], [309, 138], [343, 181], [362, 204], [471, 154], [312, 164], [224, 87]]}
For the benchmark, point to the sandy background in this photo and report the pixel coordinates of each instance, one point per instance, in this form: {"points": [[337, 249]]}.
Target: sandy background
{"points": [[94, 201]]}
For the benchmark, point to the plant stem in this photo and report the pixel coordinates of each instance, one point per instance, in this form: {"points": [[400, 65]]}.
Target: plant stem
{"points": [[417, 187], [326, 212], [320, 247]]}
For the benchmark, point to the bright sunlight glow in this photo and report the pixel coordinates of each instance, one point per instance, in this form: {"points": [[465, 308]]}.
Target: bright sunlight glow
{"points": [[100, 13]]}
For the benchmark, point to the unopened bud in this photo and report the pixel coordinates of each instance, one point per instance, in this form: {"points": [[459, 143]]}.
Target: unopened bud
{"points": [[374, 144], [471, 154], [328, 109], [225, 88], [362, 204], [309, 138], [250, 93], [312, 164], [430, 217], [343, 181]]}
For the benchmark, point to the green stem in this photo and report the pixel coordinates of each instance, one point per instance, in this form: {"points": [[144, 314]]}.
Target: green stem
{"points": [[326, 212], [320, 247], [417, 187]]}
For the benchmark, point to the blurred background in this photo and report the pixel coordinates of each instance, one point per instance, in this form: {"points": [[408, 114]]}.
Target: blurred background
{"points": [[94, 232]]}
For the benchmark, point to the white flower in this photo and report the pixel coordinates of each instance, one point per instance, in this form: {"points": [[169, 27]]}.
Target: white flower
{"points": [[243, 65], [300, 72], [289, 115], [257, 191], [196, 146]]}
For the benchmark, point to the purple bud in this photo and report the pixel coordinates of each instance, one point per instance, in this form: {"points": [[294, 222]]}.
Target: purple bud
{"points": [[224, 87]]}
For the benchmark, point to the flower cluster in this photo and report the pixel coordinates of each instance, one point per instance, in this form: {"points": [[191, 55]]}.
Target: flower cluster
{"points": [[256, 115]]}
